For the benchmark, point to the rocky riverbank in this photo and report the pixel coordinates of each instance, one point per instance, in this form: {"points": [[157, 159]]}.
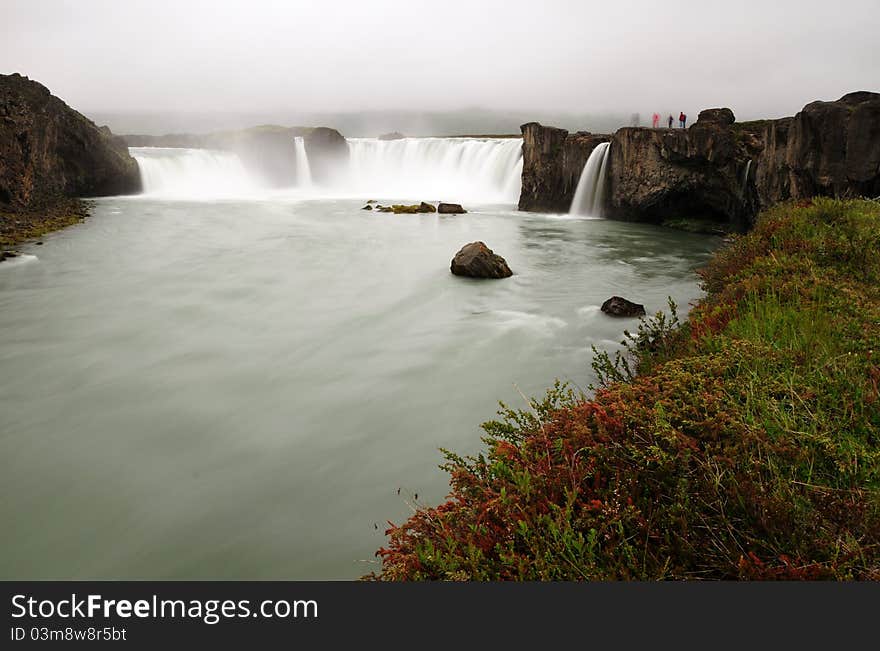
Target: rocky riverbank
{"points": [[21, 226], [50, 155]]}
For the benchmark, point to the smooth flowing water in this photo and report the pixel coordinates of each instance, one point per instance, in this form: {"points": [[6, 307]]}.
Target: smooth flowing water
{"points": [[590, 191], [238, 388]]}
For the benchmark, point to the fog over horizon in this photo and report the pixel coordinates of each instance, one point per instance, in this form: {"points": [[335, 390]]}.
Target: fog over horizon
{"points": [[157, 66]]}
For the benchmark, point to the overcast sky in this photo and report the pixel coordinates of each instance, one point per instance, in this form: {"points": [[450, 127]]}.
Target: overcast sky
{"points": [[761, 58]]}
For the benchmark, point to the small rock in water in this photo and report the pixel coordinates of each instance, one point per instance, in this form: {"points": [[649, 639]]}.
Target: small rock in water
{"points": [[476, 260], [39, 244], [450, 209], [617, 306], [371, 201], [367, 207], [426, 207]]}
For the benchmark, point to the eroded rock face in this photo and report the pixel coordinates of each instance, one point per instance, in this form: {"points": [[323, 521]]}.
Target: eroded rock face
{"points": [[829, 148], [717, 171], [328, 153], [476, 260], [49, 151], [619, 306], [697, 173], [553, 161]]}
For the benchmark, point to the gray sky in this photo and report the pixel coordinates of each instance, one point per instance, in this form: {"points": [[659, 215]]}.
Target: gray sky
{"points": [[761, 58]]}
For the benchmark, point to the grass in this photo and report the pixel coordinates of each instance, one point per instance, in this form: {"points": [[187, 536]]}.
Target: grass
{"points": [[742, 444]]}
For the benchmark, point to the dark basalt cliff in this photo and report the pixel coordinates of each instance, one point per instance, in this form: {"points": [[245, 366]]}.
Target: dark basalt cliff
{"points": [[829, 148], [48, 151], [698, 173], [553, 161], [717, 170]]}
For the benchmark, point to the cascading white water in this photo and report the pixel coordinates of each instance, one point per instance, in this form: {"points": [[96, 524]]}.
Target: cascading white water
{"points": [[303, 171], [475, 170], [193, 173], [448, 169], [590, 190], [745, 181]]}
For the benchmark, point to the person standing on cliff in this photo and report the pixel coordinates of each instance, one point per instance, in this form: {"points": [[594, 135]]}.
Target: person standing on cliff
{"points": [[656, 120], [670, 121], [682, 118]]}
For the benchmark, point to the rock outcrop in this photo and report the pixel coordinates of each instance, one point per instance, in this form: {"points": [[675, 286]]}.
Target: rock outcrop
{"points": [[48, 151], [553, 161], [328, 153], [619, 306], [476, 260], [450, 209], [829, 148], [718, 171], [697, 173]]}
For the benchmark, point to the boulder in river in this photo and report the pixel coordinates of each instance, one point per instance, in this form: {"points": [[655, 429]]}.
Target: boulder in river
{"points": [[476, 260], [426, 207], [450, 209], [618, 306], [367, 207]]}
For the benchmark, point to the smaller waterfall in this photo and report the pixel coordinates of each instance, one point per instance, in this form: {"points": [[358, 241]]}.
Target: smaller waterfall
{"points": [[590, 190], [745, 181], [303, 171]]}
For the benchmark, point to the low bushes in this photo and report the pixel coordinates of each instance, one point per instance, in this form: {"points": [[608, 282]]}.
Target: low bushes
{"points": [[742, 444]]}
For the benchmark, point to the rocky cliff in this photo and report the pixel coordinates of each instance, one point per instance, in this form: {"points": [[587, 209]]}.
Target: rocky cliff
{"points": [[48, 151], [553, 160], [829, 148], [717, 170], [699, 173]]}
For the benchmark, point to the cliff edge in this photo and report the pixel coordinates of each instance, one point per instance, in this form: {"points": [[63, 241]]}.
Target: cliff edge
{"points": [[49, 152]]}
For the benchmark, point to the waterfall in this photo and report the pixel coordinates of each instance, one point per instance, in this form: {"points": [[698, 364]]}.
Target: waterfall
{"points": [[470, 170], [745, 181], [590, 190], [303, 171], [193, 173], [450, 169]]}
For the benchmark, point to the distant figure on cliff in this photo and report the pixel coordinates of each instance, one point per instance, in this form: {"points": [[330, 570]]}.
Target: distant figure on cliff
{"points": [[670, 121], [656, 120], [682, 119]]}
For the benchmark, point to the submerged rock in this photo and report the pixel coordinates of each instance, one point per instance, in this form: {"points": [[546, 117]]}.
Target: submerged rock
{"points": [[450, 209], [618, 306], [476, 260]]}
